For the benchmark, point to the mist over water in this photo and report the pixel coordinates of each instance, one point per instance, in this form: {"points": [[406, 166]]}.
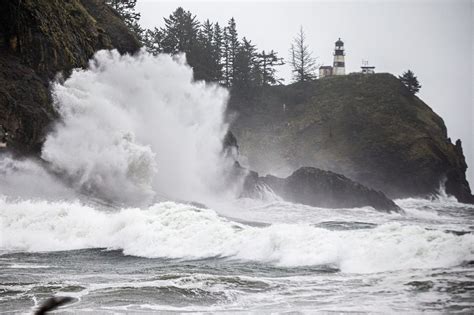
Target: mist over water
{"points": [[28, 179]]}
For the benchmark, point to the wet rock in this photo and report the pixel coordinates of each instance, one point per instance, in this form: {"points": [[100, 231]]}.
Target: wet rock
{"points": [[319, 188]]}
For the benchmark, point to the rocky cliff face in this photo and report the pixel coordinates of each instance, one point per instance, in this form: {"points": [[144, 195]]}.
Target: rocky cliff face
{"points": [[366, 127], [38, 39]]}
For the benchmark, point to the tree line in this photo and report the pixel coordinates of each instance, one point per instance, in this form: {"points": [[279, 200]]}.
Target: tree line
{"points": [[215, 52]]}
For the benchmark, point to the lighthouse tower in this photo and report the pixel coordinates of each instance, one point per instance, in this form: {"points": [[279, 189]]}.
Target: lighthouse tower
{"points": [[339, 67]]}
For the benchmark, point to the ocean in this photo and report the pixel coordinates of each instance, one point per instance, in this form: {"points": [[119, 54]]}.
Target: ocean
{"points": [[269, 257]]}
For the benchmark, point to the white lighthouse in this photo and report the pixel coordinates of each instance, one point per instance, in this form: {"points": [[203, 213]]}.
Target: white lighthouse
{"points": [[339, 67]]}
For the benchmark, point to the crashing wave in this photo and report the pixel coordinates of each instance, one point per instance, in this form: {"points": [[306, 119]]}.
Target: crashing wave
{"points": [[170, 230]]}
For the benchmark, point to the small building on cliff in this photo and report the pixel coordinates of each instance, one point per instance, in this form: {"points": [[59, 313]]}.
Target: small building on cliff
{"points": [[366, 69], [325, 71]]}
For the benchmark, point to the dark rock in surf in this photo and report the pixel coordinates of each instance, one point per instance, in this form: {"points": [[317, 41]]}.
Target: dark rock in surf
{"points": [[230, 141], [319, 188], [230, 146], [52, 304]]}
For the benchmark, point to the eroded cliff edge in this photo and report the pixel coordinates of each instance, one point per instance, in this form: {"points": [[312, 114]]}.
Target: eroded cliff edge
{"points": [[369, 128], [38, 39]]}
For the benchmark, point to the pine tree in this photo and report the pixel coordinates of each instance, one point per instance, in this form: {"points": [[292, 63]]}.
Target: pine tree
{"points": [[410, 81], [126, 9], [302, 61], [180, 32], [152, 41], [226, 58], [231, 46], [266, 63], [207, 33], [214, 53], [244, 64], [180, 35], [217, 52], [210, 64]]}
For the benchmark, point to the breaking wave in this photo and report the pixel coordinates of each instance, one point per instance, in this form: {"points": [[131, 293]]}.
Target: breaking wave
{"points": [[133, 130], [177, 231]]}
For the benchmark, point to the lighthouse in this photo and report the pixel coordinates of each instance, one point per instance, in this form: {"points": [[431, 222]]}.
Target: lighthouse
{"points": [[339, 67]]}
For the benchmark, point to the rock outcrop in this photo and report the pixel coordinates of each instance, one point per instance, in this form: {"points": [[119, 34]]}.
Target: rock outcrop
{"points": [[318, 188], [369, 128], [38, 39]]}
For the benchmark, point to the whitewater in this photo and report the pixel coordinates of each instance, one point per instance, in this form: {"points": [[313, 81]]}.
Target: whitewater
{"points": [[131, 209]]}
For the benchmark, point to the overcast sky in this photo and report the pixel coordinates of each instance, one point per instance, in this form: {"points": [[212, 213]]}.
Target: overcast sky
{"points": [[432, 38]]}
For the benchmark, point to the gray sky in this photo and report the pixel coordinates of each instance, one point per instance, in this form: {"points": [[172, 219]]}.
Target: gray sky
{"points": [[432, 38]]}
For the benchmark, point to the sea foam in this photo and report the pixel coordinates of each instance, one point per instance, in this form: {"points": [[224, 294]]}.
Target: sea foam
{"points": [[178, 231]]}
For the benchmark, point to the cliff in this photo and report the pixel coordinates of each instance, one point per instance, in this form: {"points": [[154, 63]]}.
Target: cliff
{"points": [[366, 127], [38, 39]]}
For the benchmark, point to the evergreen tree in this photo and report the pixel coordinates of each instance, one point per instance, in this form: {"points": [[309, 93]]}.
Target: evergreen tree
{"points": [[217, 53], [214, 53], [302, 61], [234, 43], [231, 46], [180, 32], [126, 9], [226, 58], [180, 35], [266, 63], [243, 65], [207, 33], [410, 81], [152, 41], [208, 60]]}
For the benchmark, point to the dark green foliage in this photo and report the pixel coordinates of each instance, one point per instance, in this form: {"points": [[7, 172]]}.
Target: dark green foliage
{"points": [[216, 54], [302, 60], [244, 65], [231, 46], [266, 65], [180, 32], [410, 81], [152, 41], [126, 9], [209, 58], [217, 41]]}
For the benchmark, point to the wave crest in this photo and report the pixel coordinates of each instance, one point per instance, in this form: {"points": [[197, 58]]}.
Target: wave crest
{"points": [[170, 230]]}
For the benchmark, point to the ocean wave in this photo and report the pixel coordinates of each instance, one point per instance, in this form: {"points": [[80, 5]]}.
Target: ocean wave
{"points": [[178, 231]]}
